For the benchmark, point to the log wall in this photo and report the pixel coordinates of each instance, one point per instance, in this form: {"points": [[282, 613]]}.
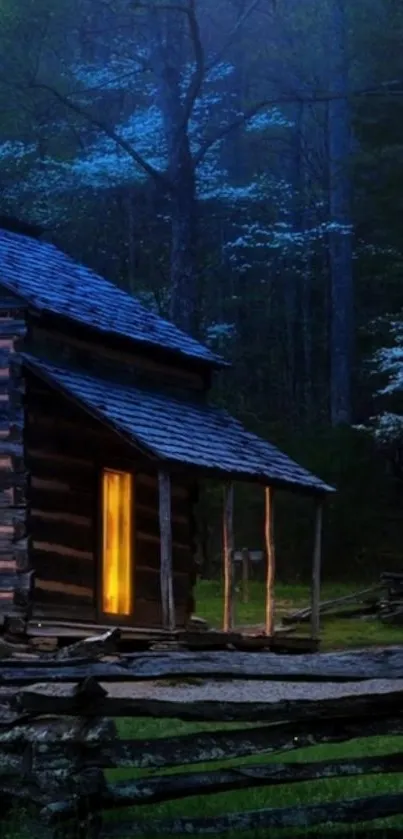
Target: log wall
{"points": [[15, 579], [76, 344], [66, 450]]}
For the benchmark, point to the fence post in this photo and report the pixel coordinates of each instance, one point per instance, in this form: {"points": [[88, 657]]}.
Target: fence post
{"points": [[228, 546], [245, 575]]}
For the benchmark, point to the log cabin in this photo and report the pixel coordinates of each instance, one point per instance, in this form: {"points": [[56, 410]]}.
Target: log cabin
{"points": [[106, 430]]}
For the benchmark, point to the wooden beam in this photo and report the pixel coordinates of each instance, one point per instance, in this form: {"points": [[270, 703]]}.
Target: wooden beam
{"points": [[316, 567], [270, 559], [167, 595], [245, 575], [228, 551]]}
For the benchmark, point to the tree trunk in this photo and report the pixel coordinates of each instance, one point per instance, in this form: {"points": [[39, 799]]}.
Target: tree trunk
{"points": [[340, 245], [183, 262], [169, 59]]}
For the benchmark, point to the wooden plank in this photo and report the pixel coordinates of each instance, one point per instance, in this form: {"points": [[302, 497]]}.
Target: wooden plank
{"points": [[149, 556], [178, 488], [74, 477], [147, 521], [7, 582], [228, 549], [12, 449], [62, 589], [67, 536], [147, 496], [117, 358], [270, 559], [50, 453], [61, 550], [62, 516], [63, 569], [13, 328], [11, 516], [316, 571], [10, 479], [166, 573], [7, 566], [55, 497], [66, 606], [24, 591], [153, 538]]}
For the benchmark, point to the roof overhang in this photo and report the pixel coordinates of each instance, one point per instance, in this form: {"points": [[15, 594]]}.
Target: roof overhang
{"points": [[209, 443]]}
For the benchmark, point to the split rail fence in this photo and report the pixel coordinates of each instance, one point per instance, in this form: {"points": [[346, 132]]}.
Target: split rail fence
{"points": [[58, 736]]}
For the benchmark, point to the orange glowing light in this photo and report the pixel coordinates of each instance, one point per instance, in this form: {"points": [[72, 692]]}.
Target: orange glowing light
{"points": [[117, 504]]}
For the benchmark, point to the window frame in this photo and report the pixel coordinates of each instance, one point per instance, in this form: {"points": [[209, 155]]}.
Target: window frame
{"points": [[106, 617]]}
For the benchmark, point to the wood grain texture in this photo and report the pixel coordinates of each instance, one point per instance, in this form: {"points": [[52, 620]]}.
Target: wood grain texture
{"points": [[228, 548], [15, 583], [65, 454]]}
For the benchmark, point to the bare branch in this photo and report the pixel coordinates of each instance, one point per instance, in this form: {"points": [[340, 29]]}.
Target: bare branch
{"points": [[198, 75], [159, 177], [312, 99], [234, 31]]}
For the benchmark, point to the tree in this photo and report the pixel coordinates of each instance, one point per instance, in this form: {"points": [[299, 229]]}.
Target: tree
{"points": [[171, 53], [340, 230]]}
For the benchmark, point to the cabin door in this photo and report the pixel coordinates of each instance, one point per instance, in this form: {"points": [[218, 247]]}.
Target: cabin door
{"points": [[117, 577]]}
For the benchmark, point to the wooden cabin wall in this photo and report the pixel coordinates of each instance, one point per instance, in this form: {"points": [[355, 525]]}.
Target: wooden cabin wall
{"points": [[15, 579], [93, 352], [66, 449]]}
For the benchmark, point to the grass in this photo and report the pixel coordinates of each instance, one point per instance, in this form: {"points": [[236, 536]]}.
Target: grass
{"points": [[337, 634], [281, 796]]}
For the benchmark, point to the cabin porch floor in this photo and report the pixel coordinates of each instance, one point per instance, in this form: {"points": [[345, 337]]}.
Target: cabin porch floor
{"points": [[50, 634]]}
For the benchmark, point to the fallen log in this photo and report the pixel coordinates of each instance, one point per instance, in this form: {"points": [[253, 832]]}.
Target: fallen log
{"points": [[166, 788], [92, 700], [321, 667], [53, 758], [370, 608], [326, 605], [337, 812]]}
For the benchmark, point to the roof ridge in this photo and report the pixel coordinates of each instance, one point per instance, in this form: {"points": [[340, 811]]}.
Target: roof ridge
{"points": [[51, 280]]}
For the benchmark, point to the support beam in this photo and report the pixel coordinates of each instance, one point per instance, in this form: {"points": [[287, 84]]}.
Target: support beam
{"points": [[228, 552], [167, 594], [245, 575], [316, 568], [270, 559]]}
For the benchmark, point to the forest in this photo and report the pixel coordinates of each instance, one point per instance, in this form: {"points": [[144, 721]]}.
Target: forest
{"points": [[238, 166]]}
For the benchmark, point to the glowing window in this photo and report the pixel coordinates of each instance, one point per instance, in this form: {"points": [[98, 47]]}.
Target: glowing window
{"points": [[117, 574]]}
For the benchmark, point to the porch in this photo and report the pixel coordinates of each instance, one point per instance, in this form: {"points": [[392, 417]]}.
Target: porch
{"points": [[181, 440]]}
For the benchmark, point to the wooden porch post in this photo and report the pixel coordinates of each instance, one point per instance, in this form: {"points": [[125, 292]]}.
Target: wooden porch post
{"points": [[270, 559], [316, 564], [166, 578], [228, 551]]}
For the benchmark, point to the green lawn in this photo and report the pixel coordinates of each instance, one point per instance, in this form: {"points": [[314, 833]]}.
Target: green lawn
{"points": [[336, 635], [281, 796]]}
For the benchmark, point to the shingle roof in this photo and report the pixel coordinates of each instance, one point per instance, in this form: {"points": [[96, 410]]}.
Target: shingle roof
{"points": [[180, 431], [51, 281]]}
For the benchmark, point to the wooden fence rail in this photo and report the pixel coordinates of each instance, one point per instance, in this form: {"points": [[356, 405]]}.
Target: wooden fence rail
{"points": [[58, 736], [317, 667]]}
